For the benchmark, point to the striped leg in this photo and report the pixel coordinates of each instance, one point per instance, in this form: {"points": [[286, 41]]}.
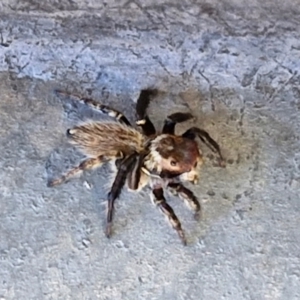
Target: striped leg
{"points": [[172, 120], [167, 210], [207, 140], [97, 106], [85, 165], [187, 196]]}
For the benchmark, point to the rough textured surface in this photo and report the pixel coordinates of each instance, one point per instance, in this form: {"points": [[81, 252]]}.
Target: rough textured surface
{"points": [[234, 65]]}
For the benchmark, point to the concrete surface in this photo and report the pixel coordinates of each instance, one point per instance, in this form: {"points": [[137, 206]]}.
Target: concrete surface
{"points": [[234, 65]]}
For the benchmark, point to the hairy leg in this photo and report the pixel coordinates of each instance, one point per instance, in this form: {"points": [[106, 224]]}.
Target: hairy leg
{"points": [[187, 196], [85, 165], [172, 120], [124, 168], [167, 210], [206, 139], [97, 106], [141, 111]]}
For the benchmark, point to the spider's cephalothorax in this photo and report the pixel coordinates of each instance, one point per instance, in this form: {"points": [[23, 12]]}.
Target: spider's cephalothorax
{"points": [[161, 160]]}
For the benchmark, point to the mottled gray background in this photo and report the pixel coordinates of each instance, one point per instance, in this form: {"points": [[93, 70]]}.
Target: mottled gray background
{"points": [[235, 65]]}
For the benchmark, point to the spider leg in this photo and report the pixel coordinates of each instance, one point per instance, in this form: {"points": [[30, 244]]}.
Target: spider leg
{"points": [[206, 139], [187, 196], [172, 120], [141, 111], [124, 168], [97, 106], [134, 175], [85, 165], [168, 211]]}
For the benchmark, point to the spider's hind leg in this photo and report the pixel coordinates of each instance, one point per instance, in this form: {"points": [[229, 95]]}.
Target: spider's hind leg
{"points": [[89, 163], [97, 106], [141, 111], [172, 120]]}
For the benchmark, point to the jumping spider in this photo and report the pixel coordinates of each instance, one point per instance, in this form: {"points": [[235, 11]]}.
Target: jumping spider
{"points": [[161, 160]]}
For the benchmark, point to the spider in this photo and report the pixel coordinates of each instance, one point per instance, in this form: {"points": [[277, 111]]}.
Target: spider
{"points": [[141, 157]]}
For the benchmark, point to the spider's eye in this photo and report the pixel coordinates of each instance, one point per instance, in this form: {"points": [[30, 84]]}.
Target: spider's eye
{"points": [[173, 163]]}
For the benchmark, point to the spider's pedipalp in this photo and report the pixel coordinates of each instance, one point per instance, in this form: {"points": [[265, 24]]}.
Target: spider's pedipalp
{"points": [[97, 106], [172, 120], [141, 111]]}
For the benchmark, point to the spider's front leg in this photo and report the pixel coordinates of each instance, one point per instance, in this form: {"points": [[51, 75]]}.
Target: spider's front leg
{"points": [[187, 196], [207, 140], [168, 211], [125, 167], [171, 121]]}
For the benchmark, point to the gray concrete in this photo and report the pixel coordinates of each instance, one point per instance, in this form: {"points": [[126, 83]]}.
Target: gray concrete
{"points": [[234, 66]]}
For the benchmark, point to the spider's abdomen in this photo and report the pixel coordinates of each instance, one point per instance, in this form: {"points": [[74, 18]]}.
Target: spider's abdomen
{"points": [[105, 138]]}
